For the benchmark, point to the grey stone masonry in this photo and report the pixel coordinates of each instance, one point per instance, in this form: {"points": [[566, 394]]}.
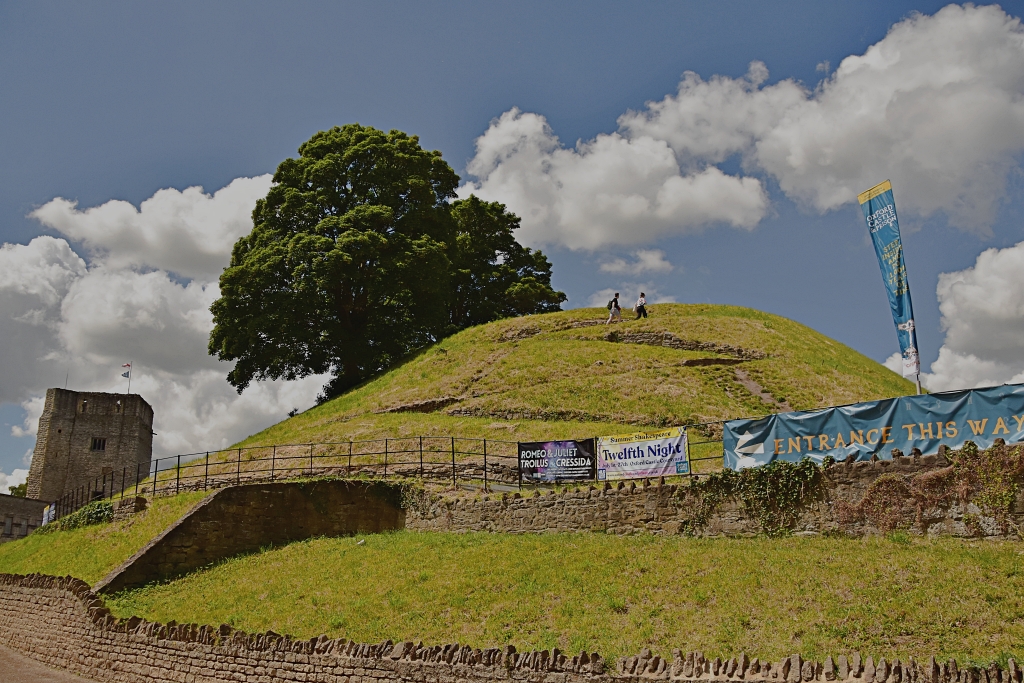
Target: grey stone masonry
{"points": [[87, 436], [62, 623], [652, 507], [20, 516]]}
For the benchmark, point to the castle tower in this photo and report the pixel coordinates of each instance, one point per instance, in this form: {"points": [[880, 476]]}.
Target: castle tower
{"points": [[86, 435]]}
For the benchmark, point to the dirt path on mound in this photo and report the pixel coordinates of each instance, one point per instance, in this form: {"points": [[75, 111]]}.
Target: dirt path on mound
{"points": [[17, 668]]}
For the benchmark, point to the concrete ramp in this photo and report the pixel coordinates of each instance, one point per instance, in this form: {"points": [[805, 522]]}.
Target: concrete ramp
{"points": [[245, 518]]}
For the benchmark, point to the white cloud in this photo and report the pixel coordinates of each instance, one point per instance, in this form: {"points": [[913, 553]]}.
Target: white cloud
{"points": [[41, 270], [647, 261], [654, 295], [709, 121], [33, 408], [15, 478], [937, 106], [609, 190], [983, 316], [200, 411], [34, 279], [116, 316], [64, 315], [895, 363], [186, 232]]}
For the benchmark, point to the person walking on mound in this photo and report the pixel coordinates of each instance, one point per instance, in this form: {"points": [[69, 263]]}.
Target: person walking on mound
{"points": [[641, 306], [615, 313]]}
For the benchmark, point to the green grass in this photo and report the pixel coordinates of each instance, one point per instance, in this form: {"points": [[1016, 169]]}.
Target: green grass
{"points": [[89, 553], [895, 597], [553, 376], [537, 377]]}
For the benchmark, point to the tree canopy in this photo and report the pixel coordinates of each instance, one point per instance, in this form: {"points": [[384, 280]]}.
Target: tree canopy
{"points": [[493, 276], [358, 257]]}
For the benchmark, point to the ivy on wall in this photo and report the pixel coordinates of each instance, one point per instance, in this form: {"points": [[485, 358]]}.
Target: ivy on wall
{"points": [[888, 504], [987, 478], [775, 494], [772, 494]]}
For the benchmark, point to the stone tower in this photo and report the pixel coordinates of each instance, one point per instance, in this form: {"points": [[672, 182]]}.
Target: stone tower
{"points": [[84, 436]]}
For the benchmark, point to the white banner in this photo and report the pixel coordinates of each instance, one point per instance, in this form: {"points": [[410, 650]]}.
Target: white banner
{"points": [[643, 454]]}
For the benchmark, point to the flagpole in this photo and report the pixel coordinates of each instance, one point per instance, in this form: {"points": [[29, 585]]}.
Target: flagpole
{"points": [[131, 366], [918, 380]]}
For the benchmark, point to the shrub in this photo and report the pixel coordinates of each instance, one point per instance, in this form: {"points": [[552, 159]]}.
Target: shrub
{"points": [[96, 512]]}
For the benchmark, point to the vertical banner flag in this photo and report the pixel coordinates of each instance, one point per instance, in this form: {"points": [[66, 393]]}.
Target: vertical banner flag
{"points": [[879, 209], [643, 454], [547, 461]]}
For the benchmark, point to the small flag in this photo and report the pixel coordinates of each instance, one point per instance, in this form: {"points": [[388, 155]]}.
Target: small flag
{"points": [[126, 374], [126, 365]]}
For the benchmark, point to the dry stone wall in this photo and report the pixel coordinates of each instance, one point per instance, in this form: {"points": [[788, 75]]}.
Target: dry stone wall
{"points": [[62, 623], [656, 508]]}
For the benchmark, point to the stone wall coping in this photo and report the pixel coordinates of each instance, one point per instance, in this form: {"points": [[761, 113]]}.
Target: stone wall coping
{"points": [[470, 664], [838, 472]]}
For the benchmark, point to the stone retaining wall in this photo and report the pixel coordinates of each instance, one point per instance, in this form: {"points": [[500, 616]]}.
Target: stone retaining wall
{"points": [[654, 508], [245, 518], [62, 623]]}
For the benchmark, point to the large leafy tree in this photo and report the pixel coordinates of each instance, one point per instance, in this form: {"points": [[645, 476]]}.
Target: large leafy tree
{"points": [[357, 258], [493, 275]]}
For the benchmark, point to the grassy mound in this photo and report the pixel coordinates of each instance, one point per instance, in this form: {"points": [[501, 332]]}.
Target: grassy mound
{"points": [[566, 375], [891, 597], [90, 552]]}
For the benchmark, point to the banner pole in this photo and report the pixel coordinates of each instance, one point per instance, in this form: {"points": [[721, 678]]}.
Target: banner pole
{"points": [[918, 380]]}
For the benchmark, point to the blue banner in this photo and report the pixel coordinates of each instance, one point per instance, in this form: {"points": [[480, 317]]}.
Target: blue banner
{"points": [[879, 209], [876, 427]]}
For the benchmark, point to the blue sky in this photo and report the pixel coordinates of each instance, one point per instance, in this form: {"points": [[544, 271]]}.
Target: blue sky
{"points": [[116, 101]]}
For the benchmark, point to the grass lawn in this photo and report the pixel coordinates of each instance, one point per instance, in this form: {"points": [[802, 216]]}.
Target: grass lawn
{"points": [[554, 376], [89, 553], [891, 597]]}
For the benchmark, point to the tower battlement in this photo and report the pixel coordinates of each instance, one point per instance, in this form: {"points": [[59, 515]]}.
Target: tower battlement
{"points": [[86, 435]]}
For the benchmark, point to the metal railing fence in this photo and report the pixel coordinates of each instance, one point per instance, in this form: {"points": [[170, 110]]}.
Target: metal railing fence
{"points": [[490, 463]]}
